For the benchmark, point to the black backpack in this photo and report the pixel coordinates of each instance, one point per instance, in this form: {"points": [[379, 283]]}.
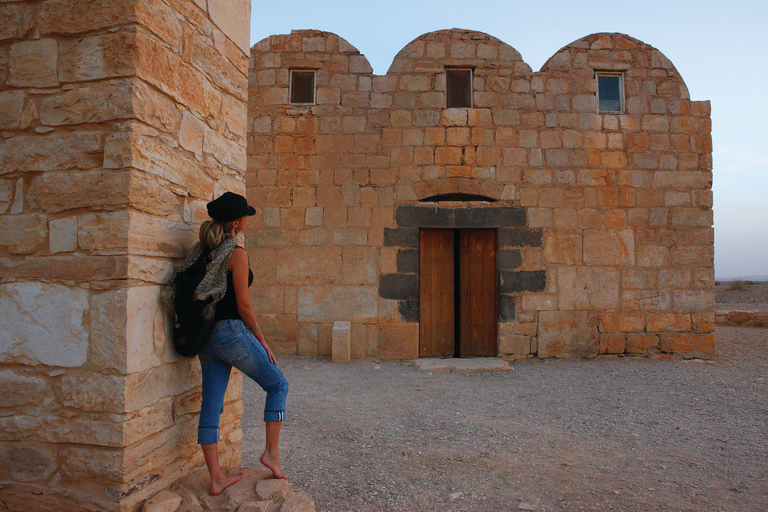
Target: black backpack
{"points": [[190, 330]]}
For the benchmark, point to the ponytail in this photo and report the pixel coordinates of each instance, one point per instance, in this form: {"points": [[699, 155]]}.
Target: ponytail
{"points": [[213, 232]]}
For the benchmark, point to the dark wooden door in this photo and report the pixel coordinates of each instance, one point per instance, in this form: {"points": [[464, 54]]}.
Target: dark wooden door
{"points": [[458, 293], [436, 293], [478, 296]]}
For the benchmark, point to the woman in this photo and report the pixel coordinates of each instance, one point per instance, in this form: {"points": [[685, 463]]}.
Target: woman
{"points": [[236, 339]]}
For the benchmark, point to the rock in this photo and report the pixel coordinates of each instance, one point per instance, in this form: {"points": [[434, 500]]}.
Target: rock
{"points": [[254, 506], [525, 506], [272, 489], [298, 502], [164, 501]]}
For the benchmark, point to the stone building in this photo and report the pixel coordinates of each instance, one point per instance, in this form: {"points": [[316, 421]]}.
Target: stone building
{"points": [[119, 120], [462, 204], [581, 231]]}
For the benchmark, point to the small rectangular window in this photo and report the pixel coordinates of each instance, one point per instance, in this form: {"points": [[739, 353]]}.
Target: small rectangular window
{"points": [[458, 88], [302, 87], [610, 92]]}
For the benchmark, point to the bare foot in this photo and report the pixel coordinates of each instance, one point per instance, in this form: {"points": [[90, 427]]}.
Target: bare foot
{"points": [[218, 486], [273, 464]]}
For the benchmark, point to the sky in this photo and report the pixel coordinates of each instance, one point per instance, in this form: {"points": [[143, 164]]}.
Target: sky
{"points": [[720, 48]]}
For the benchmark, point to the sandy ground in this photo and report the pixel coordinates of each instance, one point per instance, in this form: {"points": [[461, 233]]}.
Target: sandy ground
{"points": [[606, 434]]}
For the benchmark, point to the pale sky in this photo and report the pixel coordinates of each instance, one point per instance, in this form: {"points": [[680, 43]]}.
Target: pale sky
{"points": [[720, 47]]}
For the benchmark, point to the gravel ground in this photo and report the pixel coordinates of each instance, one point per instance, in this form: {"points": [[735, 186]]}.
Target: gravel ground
{"points": [[752, 298], [606, 434]]}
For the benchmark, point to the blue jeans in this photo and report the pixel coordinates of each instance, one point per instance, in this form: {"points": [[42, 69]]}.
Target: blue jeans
{"points": [[232, 344]]}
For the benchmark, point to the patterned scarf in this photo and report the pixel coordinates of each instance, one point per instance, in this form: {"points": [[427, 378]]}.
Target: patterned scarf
{"points": [[214, 283]]}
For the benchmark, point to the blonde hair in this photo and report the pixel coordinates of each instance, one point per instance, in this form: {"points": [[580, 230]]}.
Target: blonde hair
{"points": [[213, 232]]}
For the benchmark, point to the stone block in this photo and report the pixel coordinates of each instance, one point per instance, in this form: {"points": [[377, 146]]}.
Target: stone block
{"points": [[64, 190], [11, 105], [28, 462], [642, 344], [563, 246], [23, 234], [522, 281], [23, 388], [399, 341], [328, 303], [588, 288], [34, 63], [232, 18], [399, 286], [612, 343], [98, 57], [631, 322], [62, 235], [54, 151], [92, 392], [566, 334], [341, 344], [308, 265], [688, 345], [44, 324], [609, 247]]}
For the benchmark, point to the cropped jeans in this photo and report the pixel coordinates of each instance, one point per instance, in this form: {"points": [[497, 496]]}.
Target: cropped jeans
{"points": [[233, 344]]}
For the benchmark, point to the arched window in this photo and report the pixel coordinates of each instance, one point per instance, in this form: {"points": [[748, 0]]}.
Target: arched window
{"points": [[457, 196]]}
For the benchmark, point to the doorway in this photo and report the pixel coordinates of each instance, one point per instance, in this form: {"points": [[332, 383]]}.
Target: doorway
{"points": [[458, 294]]}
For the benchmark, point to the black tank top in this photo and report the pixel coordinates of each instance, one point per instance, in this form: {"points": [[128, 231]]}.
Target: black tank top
{"points": [[226, 308]]}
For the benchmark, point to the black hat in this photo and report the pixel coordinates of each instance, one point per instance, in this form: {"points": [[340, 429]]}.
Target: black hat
{"points": [[228, 207]]}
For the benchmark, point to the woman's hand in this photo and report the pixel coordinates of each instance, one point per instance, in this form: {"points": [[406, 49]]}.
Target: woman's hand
{"points": [[269, 352]]}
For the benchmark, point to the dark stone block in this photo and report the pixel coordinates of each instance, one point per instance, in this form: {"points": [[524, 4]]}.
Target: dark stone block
{"points": [[506, 308], [510, 259], [409, 310], [441, 217], [522, 281], [399, 286], [408, 261], [520, 237], [401, 237]]}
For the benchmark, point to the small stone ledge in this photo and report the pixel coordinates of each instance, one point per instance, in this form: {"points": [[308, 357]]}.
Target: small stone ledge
{"points": [[461, 364], [257, 491], [742, 319]]}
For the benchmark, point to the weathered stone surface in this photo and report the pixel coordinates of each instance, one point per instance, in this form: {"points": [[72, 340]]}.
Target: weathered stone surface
{"points": [[48, 324], [62, 235], [54, 151], [588, 288], [399, 286], [23, 234], [164, 501], [65, 17], [342, 342], [609, 247], [22, 388], [28, 462], [568, 334], [11, 106], [330, 303], [33, 63], [92, 392], [233, 19], [308, 265], [96, 103], [59, 191]]}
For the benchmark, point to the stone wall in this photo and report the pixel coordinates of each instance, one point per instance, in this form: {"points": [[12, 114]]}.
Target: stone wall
{"points": [[119, 120], [611, 251]]}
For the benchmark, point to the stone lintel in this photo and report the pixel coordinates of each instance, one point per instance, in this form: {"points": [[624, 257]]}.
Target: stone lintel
{"points": [[443, 217]]}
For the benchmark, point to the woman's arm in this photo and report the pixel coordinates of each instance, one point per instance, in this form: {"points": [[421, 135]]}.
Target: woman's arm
{"points": [[238, 264]]}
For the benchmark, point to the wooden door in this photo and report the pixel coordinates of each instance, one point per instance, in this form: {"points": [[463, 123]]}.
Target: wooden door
{"points": [[478, 296], [436, 293]]}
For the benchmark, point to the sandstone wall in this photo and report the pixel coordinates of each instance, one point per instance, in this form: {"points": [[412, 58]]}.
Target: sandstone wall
{"points": [[119, 120], [609, 249]]}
